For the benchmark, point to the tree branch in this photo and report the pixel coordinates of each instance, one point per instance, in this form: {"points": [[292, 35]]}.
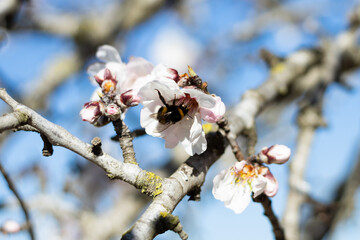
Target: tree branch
{"points": [[148, 182], [21, 202]]}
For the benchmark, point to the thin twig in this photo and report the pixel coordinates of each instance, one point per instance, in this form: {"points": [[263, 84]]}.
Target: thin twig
{"points": [[21, 202], [231, 138], [269, 213], [125, 140]]}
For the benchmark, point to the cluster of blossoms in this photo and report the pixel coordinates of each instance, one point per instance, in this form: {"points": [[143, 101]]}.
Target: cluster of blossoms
{"points": [[174, 105], [235, 185]]}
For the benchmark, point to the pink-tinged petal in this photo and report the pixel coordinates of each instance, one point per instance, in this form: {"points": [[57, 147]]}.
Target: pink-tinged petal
{"points": [[272, 184], [107, 74], [204, 100], [108, 53], [129, 99], [241, 198], [11, 226], [277, 153], [214, 114], [224, 185], [162, 72], [258, 185]]}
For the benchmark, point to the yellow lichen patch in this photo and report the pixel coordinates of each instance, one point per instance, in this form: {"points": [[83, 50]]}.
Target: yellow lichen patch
{"points": [[164, 214], [152, 184], [278, 68], [111, 176], [133, 162]]}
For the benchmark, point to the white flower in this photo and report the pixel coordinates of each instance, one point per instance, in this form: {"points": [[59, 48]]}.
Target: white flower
{"points": [[117, 77], [175, 114], [234, 185]]}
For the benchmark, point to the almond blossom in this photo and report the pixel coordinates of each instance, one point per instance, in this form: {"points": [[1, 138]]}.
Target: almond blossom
{"points": [[234, 186], [119, 84], [175, 113]]}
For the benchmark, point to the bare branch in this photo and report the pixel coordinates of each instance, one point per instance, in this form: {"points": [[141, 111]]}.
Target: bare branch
{"points": [[20, 200], [58, 136], [12, 120]]}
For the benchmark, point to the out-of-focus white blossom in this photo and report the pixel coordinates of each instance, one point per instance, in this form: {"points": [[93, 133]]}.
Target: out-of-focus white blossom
{"points": [[11, 226], [235, 185], [175, 113]]}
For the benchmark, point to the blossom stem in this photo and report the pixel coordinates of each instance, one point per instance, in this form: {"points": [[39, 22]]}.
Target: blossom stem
{"points": [[20, 200], [125, 140], [269, 213], [231, 138]]}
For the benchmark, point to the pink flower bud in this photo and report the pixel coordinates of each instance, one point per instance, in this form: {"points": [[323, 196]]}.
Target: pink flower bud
{"points": [[112, 111], [11, 226], [277, 153], [91, 112]]}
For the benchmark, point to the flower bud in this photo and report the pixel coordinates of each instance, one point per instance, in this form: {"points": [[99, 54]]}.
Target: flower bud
{"points": [[112, 111], [91, 111], [277, 153], [11, 226]]}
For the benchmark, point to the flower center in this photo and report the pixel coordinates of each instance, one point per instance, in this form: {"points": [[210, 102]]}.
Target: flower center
{"points": [[108, 85], [245, 174]]}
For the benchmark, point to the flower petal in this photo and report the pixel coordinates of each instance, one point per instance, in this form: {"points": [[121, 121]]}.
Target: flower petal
{"points": [[224, 185], [169, 90], [272, 184], [258, 185], [108, 53], [240, 199], [204, 100], [214, 114]]}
